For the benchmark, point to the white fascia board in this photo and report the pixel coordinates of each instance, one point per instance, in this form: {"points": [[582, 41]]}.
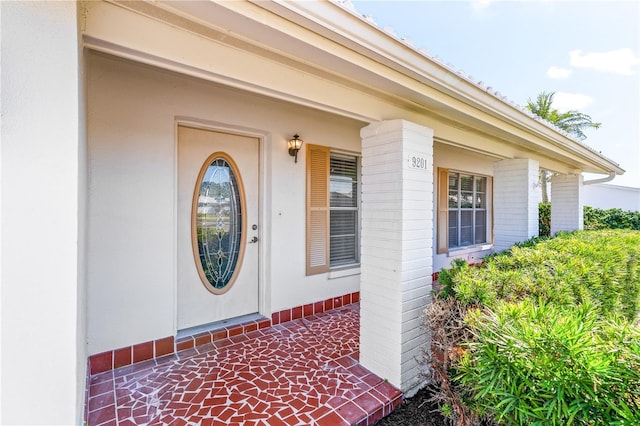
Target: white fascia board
{"points": [[354, 32], [149, 35], [349, 58]]}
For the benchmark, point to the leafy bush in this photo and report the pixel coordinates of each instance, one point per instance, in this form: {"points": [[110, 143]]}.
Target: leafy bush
{"points": [[610, 219], [542, 364], [547, 336], [544, 219], [446, 277], [601, 267], [594, 219]]}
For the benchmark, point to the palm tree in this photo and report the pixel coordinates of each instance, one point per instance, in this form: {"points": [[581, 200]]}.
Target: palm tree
{"points": [[572, 122]]}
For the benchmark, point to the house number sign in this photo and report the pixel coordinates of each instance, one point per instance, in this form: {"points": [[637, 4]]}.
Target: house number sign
{"points": [[419, 161]]}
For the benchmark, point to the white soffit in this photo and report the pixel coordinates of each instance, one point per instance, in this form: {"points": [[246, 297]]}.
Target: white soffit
{"points": [[336, 44]]}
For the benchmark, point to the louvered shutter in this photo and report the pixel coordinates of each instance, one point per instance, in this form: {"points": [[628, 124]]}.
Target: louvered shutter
{"points": [[317, 209], [443, 211]]}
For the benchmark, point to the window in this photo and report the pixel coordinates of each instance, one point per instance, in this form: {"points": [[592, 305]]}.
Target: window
{"points": [[463, 210], [343, 223], [333, 217]]}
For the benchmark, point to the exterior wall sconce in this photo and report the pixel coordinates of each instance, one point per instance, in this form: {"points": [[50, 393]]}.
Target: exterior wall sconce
{"points": [[294, 146]]}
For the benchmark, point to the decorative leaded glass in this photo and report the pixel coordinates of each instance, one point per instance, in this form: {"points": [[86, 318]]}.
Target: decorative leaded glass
{"points": [[218, 223]]}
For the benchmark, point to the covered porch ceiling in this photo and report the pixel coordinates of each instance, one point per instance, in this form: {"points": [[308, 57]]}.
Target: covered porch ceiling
{"points": [[322, 55]]}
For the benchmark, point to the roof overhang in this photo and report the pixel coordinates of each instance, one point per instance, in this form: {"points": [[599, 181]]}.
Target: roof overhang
{"points": [[336, 61]]}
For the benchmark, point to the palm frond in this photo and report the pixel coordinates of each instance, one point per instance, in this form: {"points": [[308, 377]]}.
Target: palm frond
{"points": [[572, 122]]}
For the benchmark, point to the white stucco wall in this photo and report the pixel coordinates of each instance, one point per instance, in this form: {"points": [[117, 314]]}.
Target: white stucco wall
{"points": [[132, 230], [604, 196], [43, 339], [457, 159]]}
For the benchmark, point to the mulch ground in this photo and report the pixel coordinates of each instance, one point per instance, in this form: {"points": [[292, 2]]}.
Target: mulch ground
{"points": [[415, 411]]}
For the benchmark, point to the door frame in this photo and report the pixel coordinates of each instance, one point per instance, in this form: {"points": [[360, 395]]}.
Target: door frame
{"points": [[264, 214]]}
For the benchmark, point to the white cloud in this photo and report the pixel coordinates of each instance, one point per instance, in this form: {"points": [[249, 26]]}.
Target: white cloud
{"points": [[620, 61], [481, 5], [557, 73], [564, 102]]}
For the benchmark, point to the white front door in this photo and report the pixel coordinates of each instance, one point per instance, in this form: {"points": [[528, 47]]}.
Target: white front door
{"points": [[234, 290]]}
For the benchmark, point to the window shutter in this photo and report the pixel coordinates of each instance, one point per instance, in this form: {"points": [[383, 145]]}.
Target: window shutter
{"points": [[443, 211], [317, 209]]}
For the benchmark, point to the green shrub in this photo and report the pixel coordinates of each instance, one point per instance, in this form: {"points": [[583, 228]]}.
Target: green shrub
{"points": [[610, 219], [535, 363], [551, 335], [544, 219], [594, 219], [600, 267], [447, 276]]}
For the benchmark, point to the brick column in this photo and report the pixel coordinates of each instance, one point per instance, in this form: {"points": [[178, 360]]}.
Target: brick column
{"points": [[566, 203], [515, 201], [397, 240]]}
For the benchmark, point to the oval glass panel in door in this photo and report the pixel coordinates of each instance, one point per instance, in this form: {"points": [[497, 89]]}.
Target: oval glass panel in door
{"points": [[217, 223]]}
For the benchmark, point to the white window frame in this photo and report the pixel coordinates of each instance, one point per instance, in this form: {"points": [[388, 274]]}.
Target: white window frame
{"points": [[442, 227], [318, 221], [357, 209]]}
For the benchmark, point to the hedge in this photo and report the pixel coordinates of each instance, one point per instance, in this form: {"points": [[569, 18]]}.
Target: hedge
{"points": [[594, 219], [536, 363], [550, 333]]}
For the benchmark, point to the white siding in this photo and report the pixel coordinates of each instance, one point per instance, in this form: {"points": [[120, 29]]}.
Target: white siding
{"points": [[397, 237], [515, 201], [567, 207]]}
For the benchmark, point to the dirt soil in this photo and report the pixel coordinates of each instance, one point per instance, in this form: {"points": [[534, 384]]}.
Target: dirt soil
{"points": [[415, 411]]}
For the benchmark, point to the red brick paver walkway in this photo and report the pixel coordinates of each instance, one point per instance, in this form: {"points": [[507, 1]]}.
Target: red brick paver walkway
{"points": [[303, 372]]}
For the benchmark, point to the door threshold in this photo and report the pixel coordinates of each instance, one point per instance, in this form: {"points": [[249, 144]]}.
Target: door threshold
{"points": [[226, 323]]}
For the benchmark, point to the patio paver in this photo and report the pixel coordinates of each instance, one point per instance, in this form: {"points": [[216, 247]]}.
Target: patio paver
{"points": [[303, 372]]}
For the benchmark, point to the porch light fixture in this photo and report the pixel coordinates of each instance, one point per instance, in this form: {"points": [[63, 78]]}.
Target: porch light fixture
{"points": [[294, 146]]}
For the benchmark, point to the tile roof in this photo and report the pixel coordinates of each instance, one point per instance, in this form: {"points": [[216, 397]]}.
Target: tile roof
{"points": [[390, 31]]}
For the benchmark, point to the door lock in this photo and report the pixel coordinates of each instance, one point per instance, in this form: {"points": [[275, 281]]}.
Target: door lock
{"points": [[253, 240]]}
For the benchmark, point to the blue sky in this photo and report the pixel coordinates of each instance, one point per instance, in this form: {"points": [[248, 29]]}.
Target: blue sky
{"points": [[588, 52]]}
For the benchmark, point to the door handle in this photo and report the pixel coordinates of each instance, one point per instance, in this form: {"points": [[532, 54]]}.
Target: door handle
{"points": [[253, 240]]}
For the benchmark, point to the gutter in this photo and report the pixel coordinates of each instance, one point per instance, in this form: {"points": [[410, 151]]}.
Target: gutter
{"points": [[348, 28], [601, 180]]}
